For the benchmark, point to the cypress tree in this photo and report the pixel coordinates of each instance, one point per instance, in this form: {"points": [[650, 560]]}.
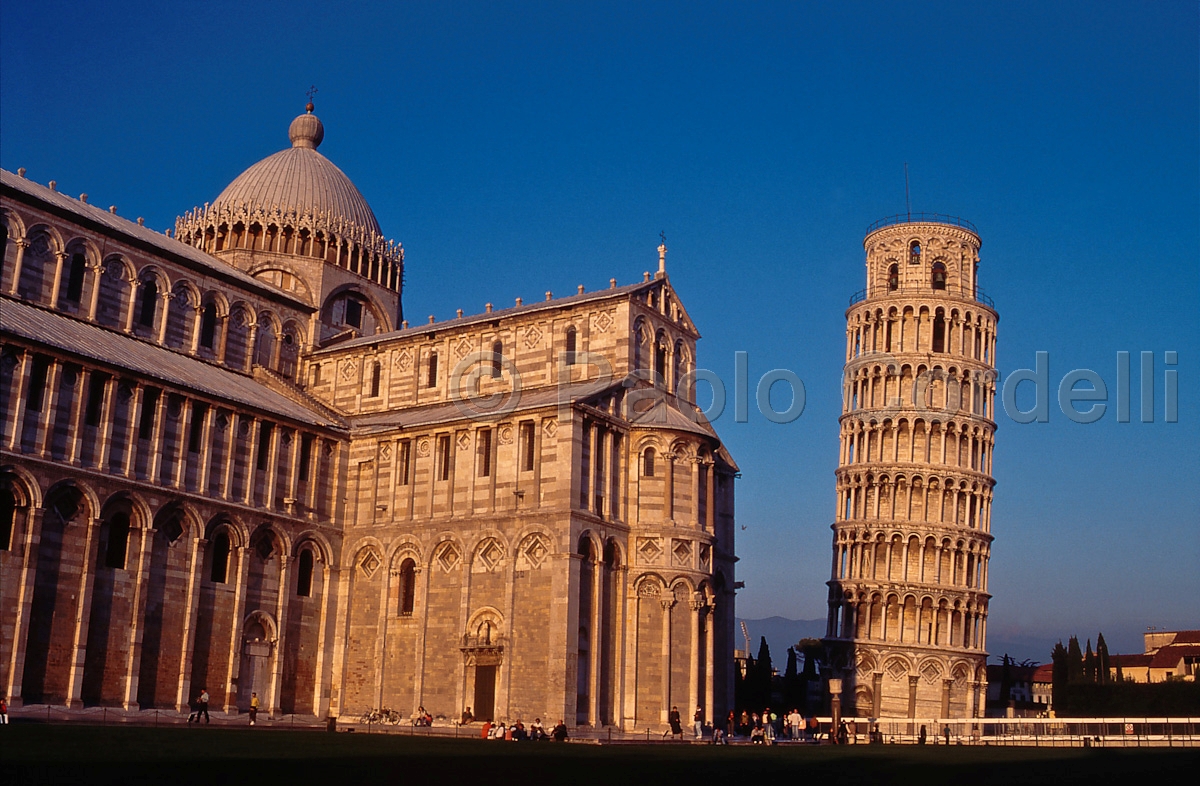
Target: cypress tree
{"points": [[762, 673], [1074, 662], [1089, 665], [1102, 661], [1059, 678]]}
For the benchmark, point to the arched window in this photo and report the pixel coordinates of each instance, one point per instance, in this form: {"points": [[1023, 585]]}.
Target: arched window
{"points": [[648, 463], [431, 376], [75, 277], [679, 368], [497, 356], [118, 540], [914, 252], [660, 358], [939, 275], [8, 515], [208, 326], [220, 559], [939, 331], [149, 303], [893, 278], [408, 587], [304, 574], [375, 371], [570, 346]]}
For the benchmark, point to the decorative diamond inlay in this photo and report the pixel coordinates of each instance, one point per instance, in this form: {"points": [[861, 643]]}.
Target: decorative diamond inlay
{"points": [[897, 670], [602, 322], [369, 564], [534, 552], [402, 360], [491, 555], [649, 550], [448, 557], [931, 671], [464, 441], [533, 336], [463, 348], [682, 553]]}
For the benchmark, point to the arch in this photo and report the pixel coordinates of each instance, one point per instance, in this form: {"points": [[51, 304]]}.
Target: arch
{"points": [[893, 278], [648, 468], [571, 345]]}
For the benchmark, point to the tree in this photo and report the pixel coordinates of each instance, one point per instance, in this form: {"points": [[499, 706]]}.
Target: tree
{"points": [[1074, 662], [1060, 676], [1103, 676], [1005, 679], [1089, 665]]}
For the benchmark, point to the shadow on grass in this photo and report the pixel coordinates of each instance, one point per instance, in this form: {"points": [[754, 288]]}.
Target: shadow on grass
{"points": [[36, 753]]}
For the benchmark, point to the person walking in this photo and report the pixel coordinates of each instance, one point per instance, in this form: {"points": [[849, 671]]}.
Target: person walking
{"points": [[675, 722], [203, 701], [698, 722], [253, 708]]}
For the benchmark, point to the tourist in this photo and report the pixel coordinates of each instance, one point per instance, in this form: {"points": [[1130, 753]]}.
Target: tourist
{"points": [[675, 722], [560, 732], [253, 707], [204, 708], [698, 722], [467, 717], [536, 730], [486, 731], [795, 725], [3, 711], [922, 736], [730, 726]]}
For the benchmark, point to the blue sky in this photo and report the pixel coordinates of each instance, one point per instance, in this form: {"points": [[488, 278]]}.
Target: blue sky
{"points": [[516, 148]]}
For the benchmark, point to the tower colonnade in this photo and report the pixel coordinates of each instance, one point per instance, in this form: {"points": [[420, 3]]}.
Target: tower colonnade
{"points": [[908, 590]]}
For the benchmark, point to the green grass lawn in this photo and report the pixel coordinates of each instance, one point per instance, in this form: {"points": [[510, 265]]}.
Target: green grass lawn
{"points": [[40, 753]]}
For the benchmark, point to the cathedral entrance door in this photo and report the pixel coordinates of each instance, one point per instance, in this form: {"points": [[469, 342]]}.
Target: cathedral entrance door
{"points": [[255, 669], [485, 692]]}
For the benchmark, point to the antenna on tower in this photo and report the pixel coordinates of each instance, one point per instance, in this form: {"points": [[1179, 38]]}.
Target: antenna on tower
{"points": [[907, 204]]}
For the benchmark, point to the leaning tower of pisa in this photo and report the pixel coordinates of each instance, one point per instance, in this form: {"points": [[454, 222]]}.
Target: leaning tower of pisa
{"points": [[908, 593]]}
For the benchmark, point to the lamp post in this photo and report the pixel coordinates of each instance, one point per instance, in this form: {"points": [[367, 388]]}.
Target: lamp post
{"points": [[835, 707]]}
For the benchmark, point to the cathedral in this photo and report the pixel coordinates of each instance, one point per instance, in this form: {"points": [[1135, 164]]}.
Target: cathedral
{"points": [[228, 462]]}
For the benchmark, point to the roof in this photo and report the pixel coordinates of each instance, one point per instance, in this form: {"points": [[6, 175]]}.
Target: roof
{"points": [[660, 414], [143, 236], [1169, 656], [491, 316], [1187, 637], [302, 180], [1129, 661], [1044, 673], [84, 339]]}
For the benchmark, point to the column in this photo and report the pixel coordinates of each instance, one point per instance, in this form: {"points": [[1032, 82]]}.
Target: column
{"points": [[131, 429], [596, 641], [281, 610], [271, 472], [251, 462], [21, 244], [154, 463], [182, 697], [694, 661], [133, 662], [235, 644], [78, 406], [321, 677], [87, 578], [697, 522], [24, 603], [709, 615], [629, 716], [19, 393], [710, 498], [669, 496], [42, 442], [59, 258], [666, 654], [205, 447], [108, 414]]}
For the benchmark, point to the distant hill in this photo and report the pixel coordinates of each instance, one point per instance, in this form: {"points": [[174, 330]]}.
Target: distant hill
{"points": [[781, 633]]}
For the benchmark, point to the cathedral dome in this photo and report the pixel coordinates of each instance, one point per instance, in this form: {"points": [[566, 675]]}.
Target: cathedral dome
{"points": [[301, 181]]}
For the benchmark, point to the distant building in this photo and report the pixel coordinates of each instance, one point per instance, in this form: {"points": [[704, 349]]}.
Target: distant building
{"points": [[1023, 699], [1169, 655]]}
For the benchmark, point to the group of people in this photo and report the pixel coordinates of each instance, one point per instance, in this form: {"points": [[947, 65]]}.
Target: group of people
{"points": [[767, 727], [516, 732], [424, 718]]}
